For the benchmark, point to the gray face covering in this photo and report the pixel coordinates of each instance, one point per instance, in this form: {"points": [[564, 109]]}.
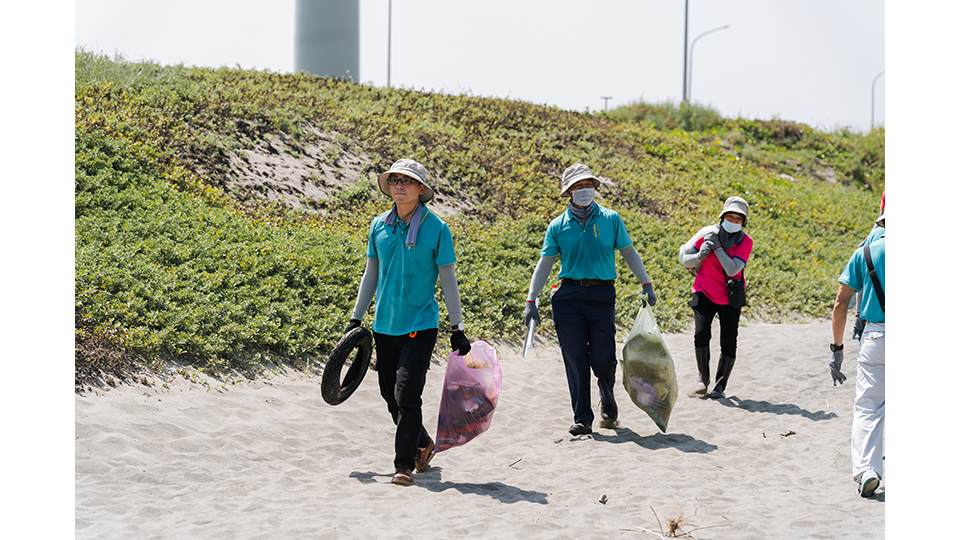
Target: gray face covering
{"points": [[583, 197]]}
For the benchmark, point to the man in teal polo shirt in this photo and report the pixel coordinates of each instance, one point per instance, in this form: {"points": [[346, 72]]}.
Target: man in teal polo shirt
{"points": [[408, 247], [585, 237], [865, 273]]}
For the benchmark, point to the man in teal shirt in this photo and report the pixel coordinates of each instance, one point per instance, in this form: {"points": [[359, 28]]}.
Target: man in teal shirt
{"points": [[865, 273], [408, 247], [585, 237]]}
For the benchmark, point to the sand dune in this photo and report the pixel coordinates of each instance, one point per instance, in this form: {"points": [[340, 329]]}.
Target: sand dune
{"points": [[270, 459]]}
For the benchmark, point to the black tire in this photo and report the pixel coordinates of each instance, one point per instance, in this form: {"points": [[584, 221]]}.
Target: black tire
{"points": [[359, 339]]}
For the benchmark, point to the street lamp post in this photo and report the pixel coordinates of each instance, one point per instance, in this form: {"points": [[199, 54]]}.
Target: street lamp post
{"points": [[686, 19], [389, 36], [873, 94], [694, 44], [605, 100]]}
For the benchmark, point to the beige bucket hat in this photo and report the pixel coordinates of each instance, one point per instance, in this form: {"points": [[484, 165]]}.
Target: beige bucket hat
{"points": [[574, 174], [412, 169], [736, 205]]}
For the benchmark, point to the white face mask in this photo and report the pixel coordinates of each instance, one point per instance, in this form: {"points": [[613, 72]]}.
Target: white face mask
{"points": [[584, 197], [731, 227]]}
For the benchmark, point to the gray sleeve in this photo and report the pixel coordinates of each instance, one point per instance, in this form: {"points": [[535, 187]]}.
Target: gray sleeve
{"points": [[540, 275], [451, 294], [689, 255], [635, 263], [732, 267], [368, 286]]}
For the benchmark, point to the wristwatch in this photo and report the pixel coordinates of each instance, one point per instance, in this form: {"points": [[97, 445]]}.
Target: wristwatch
{"points": [[835, 348]]}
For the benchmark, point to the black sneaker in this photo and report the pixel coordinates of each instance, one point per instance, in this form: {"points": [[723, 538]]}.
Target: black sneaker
{"points": [[580, 429], [608, 413], [609, 423]]}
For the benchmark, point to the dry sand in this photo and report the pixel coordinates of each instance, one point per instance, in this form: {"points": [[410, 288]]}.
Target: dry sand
{"points": [[270, 459]]}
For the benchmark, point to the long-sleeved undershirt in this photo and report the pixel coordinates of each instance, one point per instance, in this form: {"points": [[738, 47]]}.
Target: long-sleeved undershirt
{"points": [[448, 284]]}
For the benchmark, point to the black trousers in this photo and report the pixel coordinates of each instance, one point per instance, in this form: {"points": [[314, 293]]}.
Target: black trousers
{"points": [[402, 364], [585, 321], [703, 312]]}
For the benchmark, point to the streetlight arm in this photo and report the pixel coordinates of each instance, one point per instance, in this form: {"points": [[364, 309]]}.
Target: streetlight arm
{"points": [[689, 77], [712, 30]]}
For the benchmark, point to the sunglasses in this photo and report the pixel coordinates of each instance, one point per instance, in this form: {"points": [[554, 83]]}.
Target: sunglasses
{"points": [[400, 180]]}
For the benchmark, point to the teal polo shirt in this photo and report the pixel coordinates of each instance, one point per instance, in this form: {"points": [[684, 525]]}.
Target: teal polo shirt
{"points": [[407, 277], [875, 233], [586, 250], [856, 276]]}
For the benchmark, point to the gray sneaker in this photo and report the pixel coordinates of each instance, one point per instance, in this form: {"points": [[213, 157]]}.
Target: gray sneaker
{"points": [[580, 429], [869, 482]]}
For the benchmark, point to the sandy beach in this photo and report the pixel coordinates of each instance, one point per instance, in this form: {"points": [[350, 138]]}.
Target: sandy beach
{"points": [[270, 459]]}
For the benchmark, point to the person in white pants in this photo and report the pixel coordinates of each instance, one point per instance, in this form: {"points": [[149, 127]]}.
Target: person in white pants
{"points": [[864, 273]]}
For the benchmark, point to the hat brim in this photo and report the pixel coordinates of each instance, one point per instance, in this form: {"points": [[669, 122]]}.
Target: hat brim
{"points": [[569, 183], [732, 211], [427, 194]]}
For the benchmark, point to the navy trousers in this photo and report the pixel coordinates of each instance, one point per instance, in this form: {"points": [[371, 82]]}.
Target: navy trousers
{"points": [[585, 321]]}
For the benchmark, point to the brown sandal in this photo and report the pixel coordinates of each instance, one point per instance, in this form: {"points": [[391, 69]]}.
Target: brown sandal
{"points": [[424, 455], [402, 478]]}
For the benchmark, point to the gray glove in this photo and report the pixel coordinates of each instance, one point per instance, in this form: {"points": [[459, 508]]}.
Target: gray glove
{"points": [[858, 327], [838, 376], [531, 311], [705, 249], [711, 237], [651, 296]]}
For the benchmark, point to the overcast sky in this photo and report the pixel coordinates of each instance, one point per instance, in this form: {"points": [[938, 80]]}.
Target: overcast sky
{"points": [[806, 60]]}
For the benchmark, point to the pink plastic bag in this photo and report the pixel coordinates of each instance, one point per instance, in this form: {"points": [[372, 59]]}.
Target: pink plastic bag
{"points": [[471, 388]]}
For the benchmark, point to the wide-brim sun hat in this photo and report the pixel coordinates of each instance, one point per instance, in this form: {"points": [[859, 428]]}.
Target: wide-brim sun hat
{"points": [[574, 174], [736, 205], [412, 169]]}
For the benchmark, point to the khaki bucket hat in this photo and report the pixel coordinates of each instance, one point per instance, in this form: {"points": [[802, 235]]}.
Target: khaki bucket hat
{"points": [[574, 174], [736, 205], [412, 169]]}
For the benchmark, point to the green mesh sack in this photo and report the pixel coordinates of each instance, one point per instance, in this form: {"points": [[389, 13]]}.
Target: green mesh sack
{"points": [[648, 373]]}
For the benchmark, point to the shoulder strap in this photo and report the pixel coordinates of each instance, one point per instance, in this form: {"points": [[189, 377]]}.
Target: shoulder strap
{"points": [[873, 276]]}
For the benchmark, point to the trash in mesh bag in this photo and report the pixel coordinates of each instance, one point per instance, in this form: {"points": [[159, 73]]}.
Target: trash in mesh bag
{"points": [[648, 372], [471, 387]]}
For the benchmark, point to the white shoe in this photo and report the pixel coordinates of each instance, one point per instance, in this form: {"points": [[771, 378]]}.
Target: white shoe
{"points": [[869, 482]]}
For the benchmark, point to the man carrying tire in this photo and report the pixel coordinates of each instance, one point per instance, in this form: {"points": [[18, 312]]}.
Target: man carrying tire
{"points": [[408, 247]]}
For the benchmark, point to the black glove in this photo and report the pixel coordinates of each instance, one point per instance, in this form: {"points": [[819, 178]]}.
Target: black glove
{"points": [[531, 311], [354, 323], [835, 364], [651, 297], [459, 342]]}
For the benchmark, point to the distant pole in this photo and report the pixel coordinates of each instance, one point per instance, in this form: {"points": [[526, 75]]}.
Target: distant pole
{"points": [[605, 100], [694, 44], [686, 18], [873, 94], [389, 36]]}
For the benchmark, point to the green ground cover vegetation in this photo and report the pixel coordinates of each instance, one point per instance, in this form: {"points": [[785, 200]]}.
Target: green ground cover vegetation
{"points": [[171, 267]]}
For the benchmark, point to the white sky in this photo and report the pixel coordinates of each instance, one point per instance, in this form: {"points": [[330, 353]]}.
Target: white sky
{"points": [[806, 60]]}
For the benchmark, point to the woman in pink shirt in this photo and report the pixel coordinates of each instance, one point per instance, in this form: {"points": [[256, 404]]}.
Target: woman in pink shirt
{"points": [[716, 255]]}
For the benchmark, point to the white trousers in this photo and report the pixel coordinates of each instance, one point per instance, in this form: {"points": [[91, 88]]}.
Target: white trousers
{"points": [[866, 441]]}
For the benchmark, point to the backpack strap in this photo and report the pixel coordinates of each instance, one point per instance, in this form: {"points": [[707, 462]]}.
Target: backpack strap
{"points": [[873, 276]]}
